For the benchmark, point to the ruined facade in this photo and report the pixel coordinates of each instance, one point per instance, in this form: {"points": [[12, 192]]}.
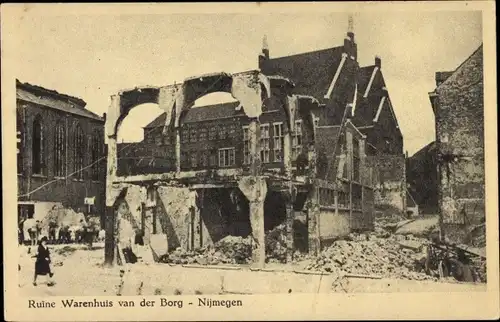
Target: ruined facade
{"points": [[57, 141], [458, 106], [286, 152]]}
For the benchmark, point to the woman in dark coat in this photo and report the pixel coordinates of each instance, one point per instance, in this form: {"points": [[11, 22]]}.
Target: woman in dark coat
{"points": [[42, 264]]}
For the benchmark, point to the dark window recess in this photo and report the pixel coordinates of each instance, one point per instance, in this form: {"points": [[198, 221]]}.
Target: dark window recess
{"points": [[79, 152], [38, 156], [343, 199], [357, 195], [96, 155], [60, 150]]}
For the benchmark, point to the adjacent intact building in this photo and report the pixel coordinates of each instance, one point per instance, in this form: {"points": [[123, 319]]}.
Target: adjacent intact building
{"points": [[60, 153], [458, 106]]}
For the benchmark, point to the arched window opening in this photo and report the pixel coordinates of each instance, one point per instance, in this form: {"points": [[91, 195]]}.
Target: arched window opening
{"points": [[38, 157], [79, 152], [60, 150], [96, 155]]}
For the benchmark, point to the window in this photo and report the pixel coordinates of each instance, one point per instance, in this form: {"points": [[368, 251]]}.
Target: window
{"points": [[226, 157], [246, 145], [343, 199], [96, 154], [355, 160], [316, 121], [212, 133], [38, 157], [79, 152], [264, 143], [326, 197], [278, 141], [193, 135], [60, 150], [297, 139], [194, 159], [204, 159], [222, 132], [232, 130], [203, 134], [184, 136]]}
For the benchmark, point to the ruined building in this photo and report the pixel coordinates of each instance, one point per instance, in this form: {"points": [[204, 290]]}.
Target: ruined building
{"points": [[298, 147], [57, 136], [458, 106]]}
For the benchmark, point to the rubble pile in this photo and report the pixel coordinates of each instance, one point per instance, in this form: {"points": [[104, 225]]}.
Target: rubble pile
{"points": [[479, 265], [395, 257], [229, 250], [276, 244], [233, 250]]}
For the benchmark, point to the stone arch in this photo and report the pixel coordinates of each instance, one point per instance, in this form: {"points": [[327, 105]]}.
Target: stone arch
{"points": [[248, 88]]}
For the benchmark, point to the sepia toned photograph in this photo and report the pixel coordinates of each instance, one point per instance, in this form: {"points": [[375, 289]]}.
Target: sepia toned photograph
{"points": [[166, 155]]}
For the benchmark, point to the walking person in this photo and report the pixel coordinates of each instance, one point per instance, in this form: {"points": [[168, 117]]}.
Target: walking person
{"points": [[42, 264]]}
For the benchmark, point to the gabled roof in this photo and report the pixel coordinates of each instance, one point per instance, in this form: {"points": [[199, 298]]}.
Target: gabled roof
{"points": [[430, 147], [312, 72], [371, 82], [52, 99], [202, 113], [479, 50], [364, 76]]}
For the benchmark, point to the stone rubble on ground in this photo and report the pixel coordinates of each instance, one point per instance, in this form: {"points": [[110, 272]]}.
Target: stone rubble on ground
{"points": [[380, 253], [369, 254]]}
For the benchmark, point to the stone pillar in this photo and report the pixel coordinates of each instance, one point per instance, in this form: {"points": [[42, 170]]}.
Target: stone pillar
{"points": [[255, 189], [111, 169], [254, 136], [289, 198], [287, 152], [312, 207]]}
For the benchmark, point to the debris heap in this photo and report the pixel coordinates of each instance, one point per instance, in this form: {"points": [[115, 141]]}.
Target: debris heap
{"points": [[395, 257]]}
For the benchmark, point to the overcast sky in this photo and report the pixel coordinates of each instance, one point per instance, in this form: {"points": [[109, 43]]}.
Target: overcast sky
{"points": [[93, 57]]}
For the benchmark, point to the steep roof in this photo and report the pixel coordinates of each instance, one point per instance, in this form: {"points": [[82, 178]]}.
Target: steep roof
{"points": [[312, 72], [54, 100], [202, 113], [430, 147], [478, 51]]}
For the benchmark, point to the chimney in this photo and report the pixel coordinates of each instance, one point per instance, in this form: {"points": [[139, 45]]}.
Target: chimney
{"points": [[104, 116], [441, 77], [378, 62], [264, 55], [350, 46]]}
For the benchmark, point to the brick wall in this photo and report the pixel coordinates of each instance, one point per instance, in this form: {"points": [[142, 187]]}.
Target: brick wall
{"points": [[390, 188], [70, 191], [458, 107]]}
